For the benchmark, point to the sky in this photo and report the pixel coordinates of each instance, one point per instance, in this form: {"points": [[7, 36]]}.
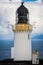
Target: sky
{"points": [[8, 13], [21, 0]]}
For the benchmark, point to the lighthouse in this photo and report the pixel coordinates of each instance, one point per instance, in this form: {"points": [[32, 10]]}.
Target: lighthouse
{"points": [[22, 49]]}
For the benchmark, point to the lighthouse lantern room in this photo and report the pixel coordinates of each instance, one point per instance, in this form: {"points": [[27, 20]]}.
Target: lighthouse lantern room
{"points": [[22, 49]]}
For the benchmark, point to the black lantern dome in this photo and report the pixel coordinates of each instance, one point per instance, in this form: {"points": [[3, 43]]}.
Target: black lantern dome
{"points": [[22, 14]]}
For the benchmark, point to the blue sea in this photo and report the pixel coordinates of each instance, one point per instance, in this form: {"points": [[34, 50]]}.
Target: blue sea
{"points": [[5, 48]]}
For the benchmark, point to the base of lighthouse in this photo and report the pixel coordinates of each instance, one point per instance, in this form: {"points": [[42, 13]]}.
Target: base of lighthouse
{"points": [[22, 49]]}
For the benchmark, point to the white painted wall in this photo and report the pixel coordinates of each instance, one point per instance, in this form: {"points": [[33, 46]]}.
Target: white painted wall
{"points": [[22, 49]]}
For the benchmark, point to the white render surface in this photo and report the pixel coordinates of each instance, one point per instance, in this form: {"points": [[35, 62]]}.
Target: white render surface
{"points": [[12, 52], [22, 49]]}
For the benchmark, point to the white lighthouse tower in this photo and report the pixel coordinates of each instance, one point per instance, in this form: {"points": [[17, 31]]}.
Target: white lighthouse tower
{"points": [[22, 50]]}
